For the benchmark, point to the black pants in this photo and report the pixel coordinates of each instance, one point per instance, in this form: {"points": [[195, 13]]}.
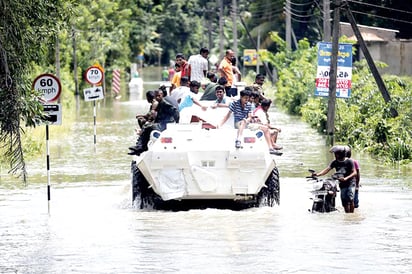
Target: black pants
{"points": [[231, 92]]}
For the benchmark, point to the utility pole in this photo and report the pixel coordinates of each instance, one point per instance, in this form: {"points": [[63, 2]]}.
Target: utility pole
{"points": [[368, 57], [330, 126], [76, 81], [234, 20], [221, 37], [257, 51], [288, 26], [57, 57], [326, 20]]}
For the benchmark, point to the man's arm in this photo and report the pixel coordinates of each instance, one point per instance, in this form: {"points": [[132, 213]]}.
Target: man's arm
{"points": [[323, 172], [224, 119]]}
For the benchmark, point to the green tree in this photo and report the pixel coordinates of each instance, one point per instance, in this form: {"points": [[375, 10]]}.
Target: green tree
{"points": [[27, 30]]}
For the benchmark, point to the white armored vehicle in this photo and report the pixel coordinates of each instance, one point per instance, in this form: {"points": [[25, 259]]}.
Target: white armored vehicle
{"points": [[193, 164]]}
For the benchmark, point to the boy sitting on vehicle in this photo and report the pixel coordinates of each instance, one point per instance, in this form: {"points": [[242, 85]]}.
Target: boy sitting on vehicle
{"points": [[241, 110]]}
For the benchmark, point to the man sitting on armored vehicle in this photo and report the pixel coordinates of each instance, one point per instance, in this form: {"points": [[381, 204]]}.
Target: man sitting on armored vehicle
{"points": [[142, 119], [188, 98], [166, 113], [221, 98], [242, 117]]}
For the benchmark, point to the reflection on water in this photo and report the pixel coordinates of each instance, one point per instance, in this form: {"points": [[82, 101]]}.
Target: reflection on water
{"points": [[92, 227]]}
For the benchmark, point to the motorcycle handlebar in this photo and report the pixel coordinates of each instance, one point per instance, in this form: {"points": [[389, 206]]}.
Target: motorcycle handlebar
{"points": [[312, 176]]}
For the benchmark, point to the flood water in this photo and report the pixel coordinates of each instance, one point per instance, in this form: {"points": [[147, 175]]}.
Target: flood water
{"points": [[92, 227]]}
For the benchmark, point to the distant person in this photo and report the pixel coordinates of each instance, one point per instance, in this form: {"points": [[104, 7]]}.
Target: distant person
{"points": [[258, 85], [226, 70], [210, 93], [176, 78], [198, 65], [165, 74], [184, 65], [237, 77], [171, 73]]}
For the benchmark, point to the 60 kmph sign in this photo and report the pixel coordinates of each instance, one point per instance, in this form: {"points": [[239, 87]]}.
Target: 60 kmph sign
{"points": [[49, 85]]}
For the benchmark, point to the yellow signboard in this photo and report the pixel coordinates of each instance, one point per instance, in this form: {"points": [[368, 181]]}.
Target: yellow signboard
{"points": [[250, 57]]}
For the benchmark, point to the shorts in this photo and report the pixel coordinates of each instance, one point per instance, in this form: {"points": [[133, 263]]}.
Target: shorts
{"points": [[253, 126], [347, 195], [231, 92], [237, 124]]}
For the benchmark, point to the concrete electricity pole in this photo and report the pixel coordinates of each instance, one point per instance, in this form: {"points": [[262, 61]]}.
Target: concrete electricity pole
{"points": [[221, 36], [326, 20], [234, 20], [288, 25], [330, 125]]}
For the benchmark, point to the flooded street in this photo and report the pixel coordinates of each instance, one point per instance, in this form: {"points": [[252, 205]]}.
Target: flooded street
{"points": [[93, 228]]}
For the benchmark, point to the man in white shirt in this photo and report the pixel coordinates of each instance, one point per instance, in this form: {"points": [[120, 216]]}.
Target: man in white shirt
{"points": [[179, 93], [198, 65]]}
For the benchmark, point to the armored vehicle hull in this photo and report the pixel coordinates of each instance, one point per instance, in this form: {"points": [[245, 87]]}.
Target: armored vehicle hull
{"points": [[195, 164]]}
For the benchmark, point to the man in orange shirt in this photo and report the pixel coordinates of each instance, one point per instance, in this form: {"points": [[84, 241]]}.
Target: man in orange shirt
{"points": [[225, 69]]}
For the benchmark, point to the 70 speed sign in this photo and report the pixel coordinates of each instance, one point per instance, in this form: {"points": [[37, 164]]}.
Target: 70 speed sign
{"points": [[94, 75], [49, 85]]}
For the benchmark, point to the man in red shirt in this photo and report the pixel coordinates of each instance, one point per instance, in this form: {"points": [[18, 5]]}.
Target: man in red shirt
{"points": [[184, 65]]}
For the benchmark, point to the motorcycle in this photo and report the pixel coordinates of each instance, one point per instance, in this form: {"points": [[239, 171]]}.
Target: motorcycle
{"points": [[324, 192]]}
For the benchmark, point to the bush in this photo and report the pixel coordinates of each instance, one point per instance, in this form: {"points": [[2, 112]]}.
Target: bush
{"points": [[363, 120]]}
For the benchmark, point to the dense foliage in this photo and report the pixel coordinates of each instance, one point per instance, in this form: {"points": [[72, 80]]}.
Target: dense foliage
{"points": [[363, 120], [115, 33], [27, 29]]}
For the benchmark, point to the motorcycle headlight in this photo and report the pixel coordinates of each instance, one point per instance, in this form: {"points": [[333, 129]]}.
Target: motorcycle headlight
{"points": [[317, 185]]}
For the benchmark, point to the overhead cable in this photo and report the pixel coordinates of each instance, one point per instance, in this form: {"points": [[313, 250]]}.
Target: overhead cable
{"points": [[383, 17], [377, 6]]}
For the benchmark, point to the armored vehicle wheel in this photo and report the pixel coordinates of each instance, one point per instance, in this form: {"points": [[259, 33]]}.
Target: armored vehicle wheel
{"points": [[271, 193], [144, 196]]}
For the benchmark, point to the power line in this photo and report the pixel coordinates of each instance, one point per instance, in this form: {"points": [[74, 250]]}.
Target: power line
{"points": [[300, 4], [303, 21], [299, 10], [377, 6], [382, 17], [273, 13], [297, 15]]}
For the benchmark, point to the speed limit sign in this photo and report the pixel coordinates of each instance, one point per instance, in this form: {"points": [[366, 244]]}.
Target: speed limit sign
{"points": [[94, 75], [49, 85]]}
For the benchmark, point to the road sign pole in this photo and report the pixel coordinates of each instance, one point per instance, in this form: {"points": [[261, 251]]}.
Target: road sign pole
{"points": [[49, 87], [94, 121], [48, 168]]}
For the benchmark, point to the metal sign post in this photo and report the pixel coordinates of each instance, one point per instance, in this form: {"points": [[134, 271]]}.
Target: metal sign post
{"points": [[94, 76], [50, 87]]}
